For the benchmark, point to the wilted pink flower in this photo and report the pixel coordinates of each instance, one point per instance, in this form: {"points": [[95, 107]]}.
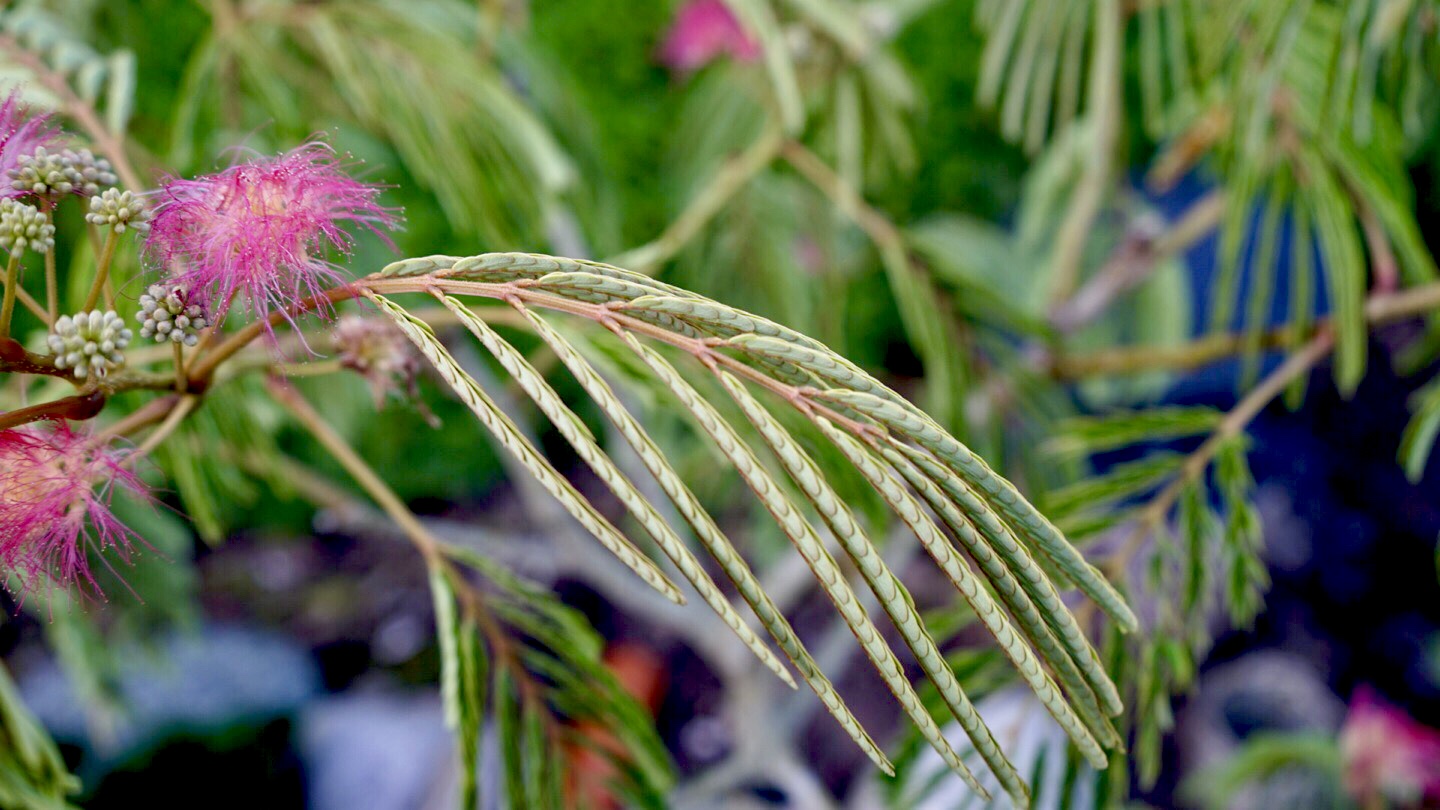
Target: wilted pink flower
{"points": [[1388, 756], [380, 353], [262, 228], [22, 131], [55, 491], [702, 31]]}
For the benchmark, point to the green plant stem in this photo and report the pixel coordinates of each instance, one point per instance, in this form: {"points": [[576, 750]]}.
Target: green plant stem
{"points": [[12, 283], [1131, 265], [102, 271], [390, 503], [52, 287], [1104, 115], [728, 180], [177, 414], [147, 414], [1234, 422], [29, 302], [181, 381], [1380, 309]]}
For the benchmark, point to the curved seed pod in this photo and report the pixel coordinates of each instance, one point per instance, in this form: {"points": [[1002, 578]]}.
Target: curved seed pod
{"points": [[511, 439], [794, 526], [990, 614], [999, 491], [893, 595], [580, 438]]}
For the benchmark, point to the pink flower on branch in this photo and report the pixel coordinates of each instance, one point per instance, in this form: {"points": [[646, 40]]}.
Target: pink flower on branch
{"points": [[22, 131], [703, 31], [1388, 756], [55, 492], [262, 229]]}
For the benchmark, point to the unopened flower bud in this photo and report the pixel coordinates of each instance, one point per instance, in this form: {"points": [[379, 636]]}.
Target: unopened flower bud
{"points": [[42, 173], [89, 343], [25, 227], [119, 210], [166, 314], [88, 172]]}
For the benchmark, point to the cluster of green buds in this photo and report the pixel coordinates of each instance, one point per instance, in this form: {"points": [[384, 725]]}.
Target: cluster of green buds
{"points": [[118, 210], [25, 227], [52, 174], [89, 343], [167, 315]]}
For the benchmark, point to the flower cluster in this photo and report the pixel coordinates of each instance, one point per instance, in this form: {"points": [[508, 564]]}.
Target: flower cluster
{"points": [[22, 134], [118, 210], [89, 343], [25, 227], [55, 492], [261, 229], [380, 353], [167, 314], [54, 174]]}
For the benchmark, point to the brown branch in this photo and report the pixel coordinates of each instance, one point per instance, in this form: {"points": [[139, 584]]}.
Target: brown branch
{"points": [[732, 176], [1234, 422], [1134, 261], [1379, 310], [78, 408]]}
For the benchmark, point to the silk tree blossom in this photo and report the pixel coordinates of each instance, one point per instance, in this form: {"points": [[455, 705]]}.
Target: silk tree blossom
{"points": [[703, 31], [22, 132], [261, 229], [1388, 756], [56, 487]]}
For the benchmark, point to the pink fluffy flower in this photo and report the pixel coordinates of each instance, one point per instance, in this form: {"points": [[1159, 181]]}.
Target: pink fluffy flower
{"points": [[55, 492], [703, 31], [22, 131], [262, 229], [1388, 756]]}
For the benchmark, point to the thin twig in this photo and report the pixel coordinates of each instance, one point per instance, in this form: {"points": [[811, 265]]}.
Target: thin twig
{"points": [[1134, 261], [1379, 310], [732, 176], [1104, 115], [1234, 422]]}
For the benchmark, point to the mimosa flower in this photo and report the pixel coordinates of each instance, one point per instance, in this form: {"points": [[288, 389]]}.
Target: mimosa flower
{"points": [[703, 31], [262, 229], [55, 492], [21, 133]]}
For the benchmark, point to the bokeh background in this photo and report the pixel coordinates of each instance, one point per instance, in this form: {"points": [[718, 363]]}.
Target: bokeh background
{"points": [[282, 653]]}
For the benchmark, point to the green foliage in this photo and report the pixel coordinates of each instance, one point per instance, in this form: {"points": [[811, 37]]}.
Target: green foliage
{"points": [[514, 653], [845, 184], [32, 774]]}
